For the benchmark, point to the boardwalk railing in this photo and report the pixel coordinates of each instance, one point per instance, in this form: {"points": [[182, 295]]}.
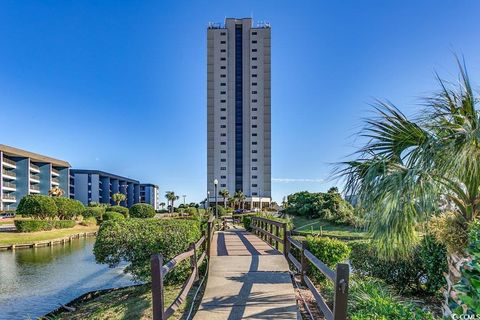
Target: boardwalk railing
{"points": [[159, 271], [340, 277]]}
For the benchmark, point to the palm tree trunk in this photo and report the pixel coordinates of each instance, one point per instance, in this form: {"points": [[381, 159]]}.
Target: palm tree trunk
{"points": [[225, 202]]}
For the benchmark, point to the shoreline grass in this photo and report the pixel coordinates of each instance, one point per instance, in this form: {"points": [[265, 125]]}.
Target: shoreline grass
{"points": [[13, 237], [325, 228]]}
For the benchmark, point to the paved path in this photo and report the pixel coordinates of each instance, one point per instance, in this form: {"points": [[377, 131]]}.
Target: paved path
{"points": [[247, 279]]}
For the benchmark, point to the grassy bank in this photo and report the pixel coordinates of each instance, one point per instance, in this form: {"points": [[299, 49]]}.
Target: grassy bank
{"points": [[320, 226], [128, 303], [7, 238]]}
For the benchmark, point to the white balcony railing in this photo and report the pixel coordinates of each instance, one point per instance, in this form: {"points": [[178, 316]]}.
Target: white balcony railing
{"points": [[9, 162], [9, 173]]}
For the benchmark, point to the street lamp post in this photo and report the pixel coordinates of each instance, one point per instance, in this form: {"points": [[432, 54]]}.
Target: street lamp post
{"points": [[208, 200], [215, 184]]}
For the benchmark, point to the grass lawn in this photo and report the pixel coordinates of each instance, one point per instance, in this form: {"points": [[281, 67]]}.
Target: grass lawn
{"points": [[6, 221], [31, 237], [128, 303], [323, 227]]}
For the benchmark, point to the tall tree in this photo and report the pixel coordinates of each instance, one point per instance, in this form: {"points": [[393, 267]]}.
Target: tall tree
{"points": [[410, 169], [240, 197], [225, 194], [171, 196]]}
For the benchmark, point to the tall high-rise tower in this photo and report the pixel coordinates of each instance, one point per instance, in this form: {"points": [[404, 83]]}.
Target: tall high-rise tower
{"points": [[239, 110]]}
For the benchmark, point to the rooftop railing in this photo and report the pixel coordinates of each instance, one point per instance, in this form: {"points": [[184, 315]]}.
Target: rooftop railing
{"points": [[6, 160], [35, 167]]}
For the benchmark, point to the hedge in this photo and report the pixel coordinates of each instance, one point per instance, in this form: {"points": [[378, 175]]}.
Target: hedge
{"points": [[422, 272], [135, 240], [68, 208], [330, 251], [37, 206], [142, 210], [42, 225], [113, 216], [96, 212], [118, 209], [90, 221]]}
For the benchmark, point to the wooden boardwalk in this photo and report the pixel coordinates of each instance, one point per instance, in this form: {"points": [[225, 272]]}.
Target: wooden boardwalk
{"points": [[248, 279]]}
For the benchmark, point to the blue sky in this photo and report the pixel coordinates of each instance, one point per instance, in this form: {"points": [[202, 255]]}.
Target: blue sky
{"points": [[121, 85]]}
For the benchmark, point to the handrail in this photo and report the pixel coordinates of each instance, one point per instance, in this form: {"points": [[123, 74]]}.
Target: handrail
{"points": [[340, 276], [159, 271], [272, 236]]}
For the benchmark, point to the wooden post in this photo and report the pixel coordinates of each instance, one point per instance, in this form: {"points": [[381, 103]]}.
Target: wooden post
{"points": [[209, 238], [193, 260], [156, 263], [341, 292], [304, 262], [286, 234], [271, 232], [278, 235]]}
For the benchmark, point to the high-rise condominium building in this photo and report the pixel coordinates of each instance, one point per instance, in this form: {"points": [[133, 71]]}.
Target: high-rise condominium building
{"points": [[24, 172], [149, 193], [239, 110]]}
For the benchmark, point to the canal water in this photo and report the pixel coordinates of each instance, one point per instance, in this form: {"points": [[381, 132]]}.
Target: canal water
{"points": [[33, 282]]}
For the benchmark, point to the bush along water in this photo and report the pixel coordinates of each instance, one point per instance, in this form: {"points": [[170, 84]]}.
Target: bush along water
{"points": [[141, 210], [118, 209], [135, 240], [42, 225]]}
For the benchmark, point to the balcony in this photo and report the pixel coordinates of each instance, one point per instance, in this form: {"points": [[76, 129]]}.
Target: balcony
{"points": [[34, 188], [9, 197], [9, 163], [55, 181], [55, 172], [35, 177], [9, 173], [34, 168], [9, 185]]}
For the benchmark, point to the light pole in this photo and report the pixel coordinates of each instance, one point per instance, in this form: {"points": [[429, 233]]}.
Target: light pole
{"points": [[215, 184], [208, 200]]}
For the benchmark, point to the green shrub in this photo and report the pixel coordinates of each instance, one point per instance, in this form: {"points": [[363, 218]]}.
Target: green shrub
{"points": [[135, 240], [247, 222], [37, 206], [68, 208], [422, 272], [141, 210], [42, 225], [96, 212], [90, 221], [118, 209], [372, 299], [329, 251], [221, 211], [112, 215]]}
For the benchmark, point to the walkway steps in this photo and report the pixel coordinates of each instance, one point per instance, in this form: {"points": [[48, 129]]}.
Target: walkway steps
{"points": [[247, 279]]}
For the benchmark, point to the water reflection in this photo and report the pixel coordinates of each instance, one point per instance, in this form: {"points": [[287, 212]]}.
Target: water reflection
{"points": [[35, 281]]}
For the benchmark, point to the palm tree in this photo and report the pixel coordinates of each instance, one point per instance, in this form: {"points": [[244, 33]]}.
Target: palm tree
{"points": [[171, 197], [56, 192], [118, 197], [225, 194], [162, 205], [412, 169], [240, 198]]}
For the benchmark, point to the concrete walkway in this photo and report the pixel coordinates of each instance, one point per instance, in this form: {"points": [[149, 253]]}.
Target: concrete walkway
{"points": [[248, 279]]}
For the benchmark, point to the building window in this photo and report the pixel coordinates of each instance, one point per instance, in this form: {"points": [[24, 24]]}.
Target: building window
{"points": [[223, 101], [223, 160], [254, 33], [223, 67], [223, 50], [223, 109], [254, 151], [223, 76], [254, 168], [254, 92], [254, 117], [254, 59], [223, 118], [223, 168], [254, 83], [254, 109], [223, 59], [254, 41], [254, 100], [223, 134], [254, 194], [223, 92], [254, 50], [254, 177], [223, 84], [254, 67], [223, 143], [254, 134], [224, 185], [254, 126], [223, 126], [223, 33], [254, 75], [254, 160], [223, 151], [254, 185], [223, 177], [223, 42], [254, 143]]}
